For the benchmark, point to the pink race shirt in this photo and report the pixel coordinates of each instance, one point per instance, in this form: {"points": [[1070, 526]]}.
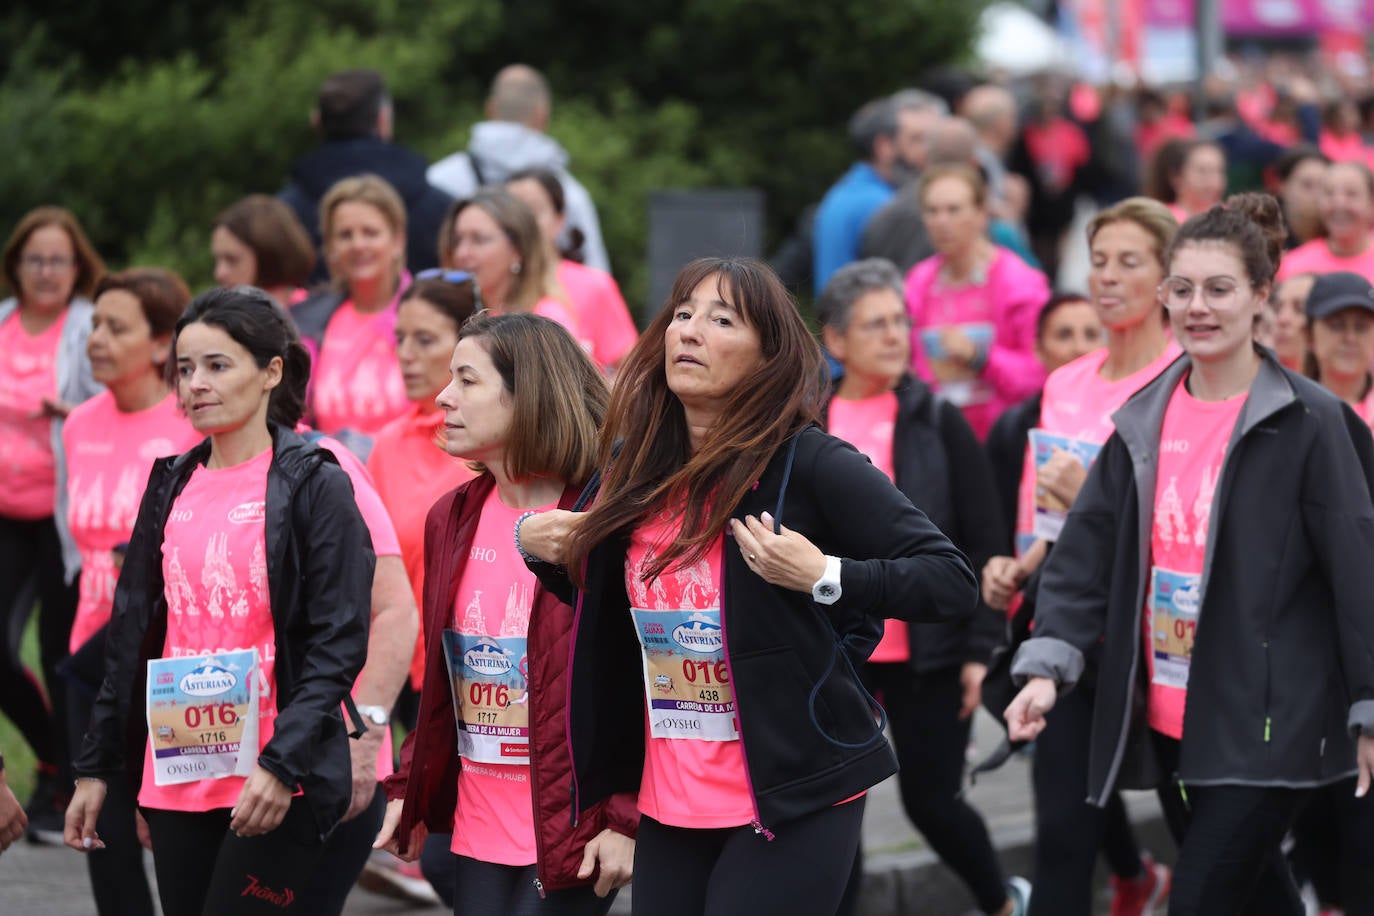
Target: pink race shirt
{"points": [[1078, 402], [214, 566], [28, 374], [600, 309], [109, 454], [1192, 450], [1365, 409], [1315, 257], [868, 425], [411, 472], [357, 382], [698, 782], [494, 819], [559, 311]]}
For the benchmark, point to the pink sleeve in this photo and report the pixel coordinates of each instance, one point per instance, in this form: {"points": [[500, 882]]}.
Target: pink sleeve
{"points": [[615, 332], [1013, 368], [918, 281], [384, 542]]}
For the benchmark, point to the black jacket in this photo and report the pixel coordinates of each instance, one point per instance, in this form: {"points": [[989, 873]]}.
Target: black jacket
{"points": [[1282, 670], [803, 753], [1006, 448], [426, 206], [319, 571], [941, 468]]}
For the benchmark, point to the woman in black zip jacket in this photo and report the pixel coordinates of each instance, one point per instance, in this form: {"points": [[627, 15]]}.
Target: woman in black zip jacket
{"points": [[927, 677], [1215, 571], [249, 564], [735, 568]]}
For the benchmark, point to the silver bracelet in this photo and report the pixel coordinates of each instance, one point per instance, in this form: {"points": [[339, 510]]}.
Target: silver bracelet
{"points": [[519, 548]]}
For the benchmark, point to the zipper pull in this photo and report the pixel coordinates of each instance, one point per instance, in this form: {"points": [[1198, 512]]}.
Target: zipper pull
{"points": [[539, 886], [1267, 722], [572, 809], [759, 829]]}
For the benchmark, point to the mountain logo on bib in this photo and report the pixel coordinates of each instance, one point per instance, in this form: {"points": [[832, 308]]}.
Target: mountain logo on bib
{"points": [[247, 513], [209, 680], [487, 659], [699, 635], [1185, 599]]}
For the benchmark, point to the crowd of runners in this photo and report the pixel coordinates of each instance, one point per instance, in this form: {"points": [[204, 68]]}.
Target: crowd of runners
{"points": [[661, 607]]}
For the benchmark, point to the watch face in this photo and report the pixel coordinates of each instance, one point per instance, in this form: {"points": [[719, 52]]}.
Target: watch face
{"points": [[827, 590]]}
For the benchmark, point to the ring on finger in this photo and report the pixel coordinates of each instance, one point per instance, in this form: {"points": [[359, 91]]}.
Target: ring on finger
{"points": [[752, 557]]}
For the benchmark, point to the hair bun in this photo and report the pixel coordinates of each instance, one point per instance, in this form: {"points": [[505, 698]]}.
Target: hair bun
{"points": [[1265, 212]]}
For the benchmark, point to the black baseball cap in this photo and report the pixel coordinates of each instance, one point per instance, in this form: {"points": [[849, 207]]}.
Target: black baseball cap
{"points": [[1339, 290]]}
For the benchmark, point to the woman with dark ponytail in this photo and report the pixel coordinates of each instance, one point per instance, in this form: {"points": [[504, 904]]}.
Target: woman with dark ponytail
{"points": [[239, 625], [1214, 572]]}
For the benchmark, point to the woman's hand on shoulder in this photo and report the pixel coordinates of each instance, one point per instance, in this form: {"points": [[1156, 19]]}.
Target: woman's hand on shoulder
{"points": [[786, 559], [546, 534]]}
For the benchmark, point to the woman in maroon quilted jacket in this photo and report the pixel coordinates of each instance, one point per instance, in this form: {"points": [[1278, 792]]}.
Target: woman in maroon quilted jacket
{"points": [[497, 642]]}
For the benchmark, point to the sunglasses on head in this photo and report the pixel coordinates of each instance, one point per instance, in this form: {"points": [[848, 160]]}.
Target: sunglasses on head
{"points": [[457, 278]]}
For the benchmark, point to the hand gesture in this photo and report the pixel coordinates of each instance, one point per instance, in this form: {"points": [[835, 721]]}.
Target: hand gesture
{"points": [[788, 559], [1026, 714]]}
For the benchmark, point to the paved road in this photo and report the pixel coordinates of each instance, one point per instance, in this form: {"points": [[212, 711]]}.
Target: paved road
{"points": [[902, 873]]}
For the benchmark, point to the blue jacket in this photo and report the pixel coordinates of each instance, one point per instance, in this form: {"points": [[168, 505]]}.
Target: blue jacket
{"points": [[842, 217]]}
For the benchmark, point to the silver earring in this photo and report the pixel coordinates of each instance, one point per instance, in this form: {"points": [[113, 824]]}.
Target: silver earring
{"points": [[515, 267]]}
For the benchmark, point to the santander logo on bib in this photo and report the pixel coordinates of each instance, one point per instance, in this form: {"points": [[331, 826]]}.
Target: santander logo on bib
{"points": [[487, 659], [248, 513], [698, 635], [209, 680]]}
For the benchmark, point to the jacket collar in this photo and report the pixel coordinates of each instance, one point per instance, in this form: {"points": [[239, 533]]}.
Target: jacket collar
{"points": [[1140, 420], [292, 455]]}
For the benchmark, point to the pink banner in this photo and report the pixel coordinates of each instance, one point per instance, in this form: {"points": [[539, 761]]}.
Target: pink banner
{"points": [[1169, 14], [1292, 17]]}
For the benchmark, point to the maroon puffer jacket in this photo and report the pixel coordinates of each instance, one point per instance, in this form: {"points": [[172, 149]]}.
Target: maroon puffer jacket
{"points": [[428, 776]]}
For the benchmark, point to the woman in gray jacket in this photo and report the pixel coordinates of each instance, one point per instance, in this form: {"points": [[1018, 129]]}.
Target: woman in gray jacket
{"points": [[51, 269], [1214, 578]]}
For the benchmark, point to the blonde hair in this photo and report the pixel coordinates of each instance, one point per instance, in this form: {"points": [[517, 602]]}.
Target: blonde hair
{"points": [[1149, 214], [373, 190]]}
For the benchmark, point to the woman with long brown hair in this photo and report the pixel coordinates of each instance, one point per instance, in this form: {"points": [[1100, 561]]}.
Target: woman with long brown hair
{"points": [[734, 569]]}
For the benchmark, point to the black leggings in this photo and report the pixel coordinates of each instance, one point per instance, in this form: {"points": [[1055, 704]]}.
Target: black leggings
{"points": [[203, 869], [118, 881], [510, 891], [345, 853], [1069, 832], [1229, 860], [733, 871], [1334, 847], [437, 865], [31, 566], [932, 743]]}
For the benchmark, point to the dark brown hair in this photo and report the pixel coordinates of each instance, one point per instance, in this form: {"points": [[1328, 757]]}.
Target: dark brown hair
{"points": [[559, 395], [655, 466], [1250, 223], [162, 294], [89, 266], [966, 173], [455, 301], [1167, 163], [282, 248]]}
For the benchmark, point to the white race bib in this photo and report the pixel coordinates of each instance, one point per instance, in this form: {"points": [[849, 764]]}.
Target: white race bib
{"points": [[1174, 604], [686, 677], [489, 677], [203, 716]]}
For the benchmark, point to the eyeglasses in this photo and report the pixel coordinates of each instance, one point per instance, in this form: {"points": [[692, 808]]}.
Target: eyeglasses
{"points": [[35, 264], [457, 278], [876, 326], [1221, 294]]}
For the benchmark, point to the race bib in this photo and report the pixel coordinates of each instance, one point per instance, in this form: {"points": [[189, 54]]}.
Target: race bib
{"points": [[1049, 511], [686, 677], [958, 384], [1174, 602], [490, 683], [203, 716]]}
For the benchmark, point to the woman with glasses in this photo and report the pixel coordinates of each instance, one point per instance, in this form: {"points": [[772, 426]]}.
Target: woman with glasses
{"points": [[1227, 521], [494, 236], [1126, 245], [51, 270], [928, 678], [356, 386], [973, 304]]}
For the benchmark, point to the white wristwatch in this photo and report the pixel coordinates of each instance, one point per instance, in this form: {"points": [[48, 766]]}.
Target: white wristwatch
{"points": [[827, 588], [375, 715]]}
